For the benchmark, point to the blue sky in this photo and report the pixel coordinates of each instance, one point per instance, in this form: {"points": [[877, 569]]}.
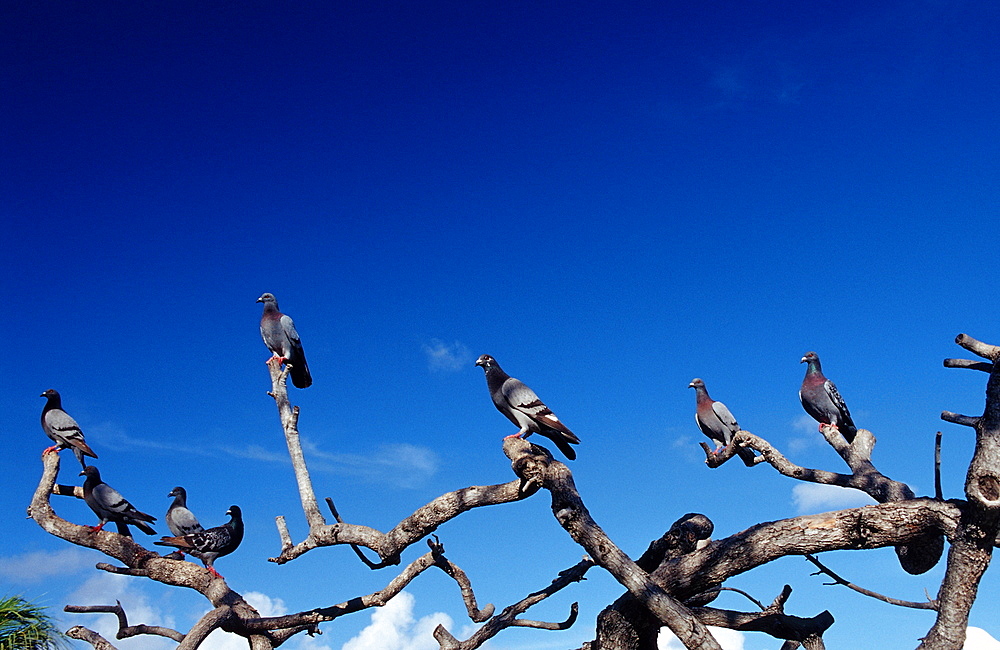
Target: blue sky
{"points": [[611, 201]]}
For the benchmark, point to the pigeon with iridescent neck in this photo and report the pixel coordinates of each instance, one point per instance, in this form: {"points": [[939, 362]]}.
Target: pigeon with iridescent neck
{"points": [[821, 399], [523, 407], [278, 332], [716, 422]]}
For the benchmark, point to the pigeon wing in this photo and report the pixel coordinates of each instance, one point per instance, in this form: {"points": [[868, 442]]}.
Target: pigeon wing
{"points": [[520, 397], [725, 417], [182, 521], [64, 430], [839, 403]]}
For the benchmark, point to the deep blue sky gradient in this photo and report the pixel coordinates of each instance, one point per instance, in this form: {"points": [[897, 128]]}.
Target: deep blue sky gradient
{"points": [[610, 200]]}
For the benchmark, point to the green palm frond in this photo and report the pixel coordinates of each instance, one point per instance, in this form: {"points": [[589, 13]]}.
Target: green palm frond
{"points": [[26, 626]]}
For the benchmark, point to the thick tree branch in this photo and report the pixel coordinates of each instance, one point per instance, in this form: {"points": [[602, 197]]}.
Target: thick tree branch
{"points": [[877, 526], [573, 516], [972, 545], [978, 348]]}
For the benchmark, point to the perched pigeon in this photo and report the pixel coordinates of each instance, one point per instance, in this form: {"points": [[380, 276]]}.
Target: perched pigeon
{"points": [[278, 332], [522, 407], [109, 505], [716, 422], [180, 520], [821, 400], [211, 544], [63, 429]]}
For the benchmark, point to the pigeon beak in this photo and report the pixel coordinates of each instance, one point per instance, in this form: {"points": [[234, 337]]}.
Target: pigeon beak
{"points": [[82, 473], [691, 385], [260, 300], [803, 360]]}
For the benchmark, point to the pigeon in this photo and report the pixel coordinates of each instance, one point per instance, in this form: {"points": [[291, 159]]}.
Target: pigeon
{"points": [[63, 429], [822, 401], [180, 520], [523, 407], [716, 422], [278, 332], [109, 505], [211, 544]]}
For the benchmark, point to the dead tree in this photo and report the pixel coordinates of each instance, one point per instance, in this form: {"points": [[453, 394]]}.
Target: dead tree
{"points": [[670, 585]]}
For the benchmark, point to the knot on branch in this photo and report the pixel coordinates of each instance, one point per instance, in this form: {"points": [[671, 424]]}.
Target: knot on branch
{"points": [[528, 461]]}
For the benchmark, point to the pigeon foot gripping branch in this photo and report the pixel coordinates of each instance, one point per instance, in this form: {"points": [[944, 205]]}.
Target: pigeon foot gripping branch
{"points": [[62, 429], [280, 337], [524, 408], [209, 545], [716, 422]]}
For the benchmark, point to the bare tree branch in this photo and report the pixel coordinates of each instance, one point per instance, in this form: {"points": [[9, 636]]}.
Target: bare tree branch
{"points": [[931, 604], [978, 348], [289, 423], [964, 420], [573, 516], [938, 494], [981, 366], [508, 617], [124, 629], [972, 543], [388, 546], [90, 636]]}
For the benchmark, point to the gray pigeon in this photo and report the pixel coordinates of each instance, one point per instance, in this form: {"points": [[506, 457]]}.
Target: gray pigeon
{"points": [[523, 407], [278, 332], [109, 505], [716, 422], [211, 544], [63, 429], [180, 520], [821, 399]]}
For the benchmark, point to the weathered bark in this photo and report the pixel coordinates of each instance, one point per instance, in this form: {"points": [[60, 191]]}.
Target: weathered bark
{"points": [[972, 544]]}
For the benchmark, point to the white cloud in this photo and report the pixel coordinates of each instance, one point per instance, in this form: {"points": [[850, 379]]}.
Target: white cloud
{"points": [[976, 638], [393, 627], [38, 566], [105, 589], [728, 639], [447, 358], [817, 497]]}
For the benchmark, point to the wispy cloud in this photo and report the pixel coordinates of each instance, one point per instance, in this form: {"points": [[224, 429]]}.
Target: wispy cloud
{"points": [[38, 566], [447, 358], [728, 639], [394, 627], [400, 464], [817, 497]]}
